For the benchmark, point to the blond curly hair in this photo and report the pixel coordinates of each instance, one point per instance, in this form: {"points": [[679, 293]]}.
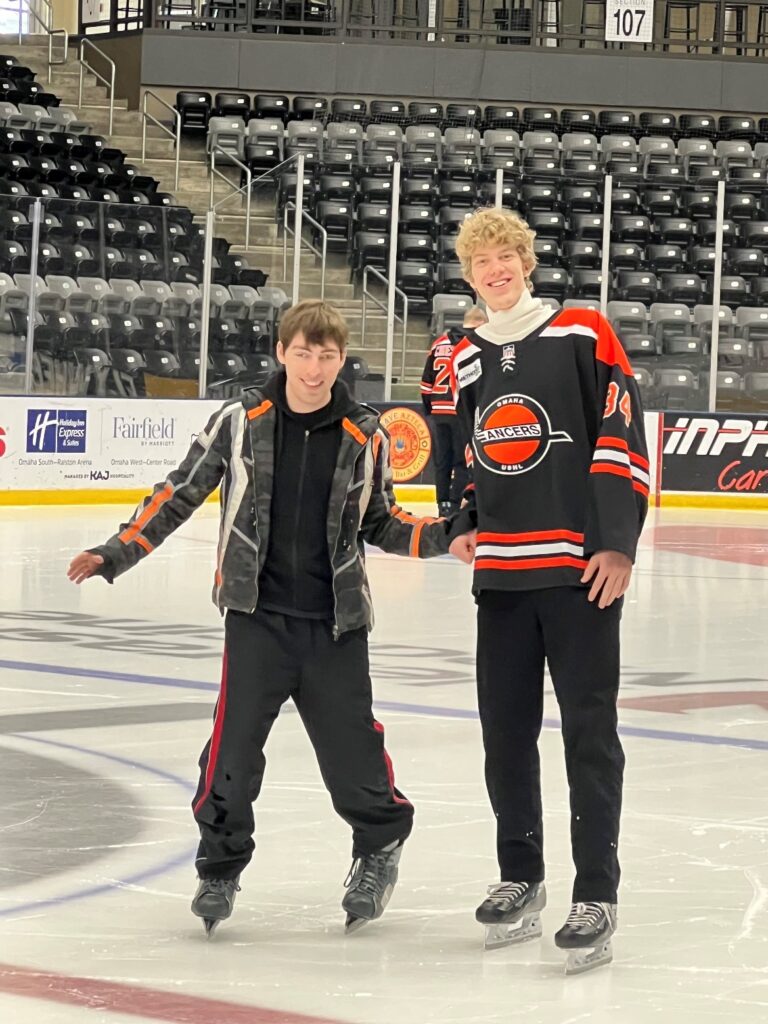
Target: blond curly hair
{"points": [[494, 226]]}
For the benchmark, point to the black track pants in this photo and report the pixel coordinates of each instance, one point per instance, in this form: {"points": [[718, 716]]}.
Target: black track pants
{"points": [[451, 474], [268, 658]]}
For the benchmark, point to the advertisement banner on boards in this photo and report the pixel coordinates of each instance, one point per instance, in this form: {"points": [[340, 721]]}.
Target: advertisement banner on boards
{"points": [[715, 453], [74, 444], [49, 444]]}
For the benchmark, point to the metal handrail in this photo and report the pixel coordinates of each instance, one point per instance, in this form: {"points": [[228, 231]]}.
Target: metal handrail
{"points": [[146, 117], [46, 26], [109, 82], [321, 253], [247, 187], [369, 295]]}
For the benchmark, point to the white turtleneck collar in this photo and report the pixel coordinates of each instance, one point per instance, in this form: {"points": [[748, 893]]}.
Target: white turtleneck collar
{"points": [[516, 323]]}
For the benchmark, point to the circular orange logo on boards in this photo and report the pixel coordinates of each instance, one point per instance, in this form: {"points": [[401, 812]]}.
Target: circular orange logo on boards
{"points": [[411, 442]]}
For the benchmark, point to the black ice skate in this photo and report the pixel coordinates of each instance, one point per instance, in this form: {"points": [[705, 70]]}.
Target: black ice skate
{"points": [[512, 913], [369, 884], [587, 936], [214, 900]]}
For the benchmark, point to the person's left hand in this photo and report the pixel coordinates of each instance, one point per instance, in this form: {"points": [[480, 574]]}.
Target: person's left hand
{"points": [[610, 573]]}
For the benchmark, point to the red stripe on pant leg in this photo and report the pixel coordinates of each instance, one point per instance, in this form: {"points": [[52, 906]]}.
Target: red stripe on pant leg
{"points": [[390, 770], [218, 726]]}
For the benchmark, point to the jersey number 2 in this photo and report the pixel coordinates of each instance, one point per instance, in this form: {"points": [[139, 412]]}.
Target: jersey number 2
{"points": [[442, 384], [613, 402]]}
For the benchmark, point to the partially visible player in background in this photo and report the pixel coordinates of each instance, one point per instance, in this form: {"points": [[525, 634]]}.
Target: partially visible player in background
{"points": [[554, 514], [305, 481], [449, 439]]}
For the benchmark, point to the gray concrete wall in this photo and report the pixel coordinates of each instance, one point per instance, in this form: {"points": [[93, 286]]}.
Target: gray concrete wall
{"points": [[505, 74]]}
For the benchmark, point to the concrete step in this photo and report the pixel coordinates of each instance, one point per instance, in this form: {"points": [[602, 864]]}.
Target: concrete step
{"points": [[164, 170], [311, 290], [131, 145], [65, 75], [93, 95], [126, 122]]}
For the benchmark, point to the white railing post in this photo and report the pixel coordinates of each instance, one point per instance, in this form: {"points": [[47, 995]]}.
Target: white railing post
{"points": [[205, 323], [606, 254], [391, 277], [37, 215], [297, 225], [499, 196], [716, 288]]}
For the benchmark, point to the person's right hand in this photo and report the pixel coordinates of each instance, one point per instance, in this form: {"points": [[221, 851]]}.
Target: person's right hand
{"points": [[83, 566], [463, 547]]}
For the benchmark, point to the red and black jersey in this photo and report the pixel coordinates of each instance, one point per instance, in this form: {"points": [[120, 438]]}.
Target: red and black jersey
{"points": [[559, 459], [436, 378]]}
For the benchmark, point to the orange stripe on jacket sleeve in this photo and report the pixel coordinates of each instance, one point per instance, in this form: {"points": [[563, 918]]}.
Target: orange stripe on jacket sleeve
{"points": [[414, 549], [404, 517], [265, 406], [639, 460], [144, 543], [356, 432], [149, 512]]}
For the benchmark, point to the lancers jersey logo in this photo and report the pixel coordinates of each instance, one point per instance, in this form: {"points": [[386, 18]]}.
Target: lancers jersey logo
{"points": [[513, 435]]}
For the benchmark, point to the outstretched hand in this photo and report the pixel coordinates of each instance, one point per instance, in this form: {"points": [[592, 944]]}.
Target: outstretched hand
{"points": [[463, 547], [610, 573], [83, 566]]}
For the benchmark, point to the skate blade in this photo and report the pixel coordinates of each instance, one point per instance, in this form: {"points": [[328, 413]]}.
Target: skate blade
{"points": [[581, 960], [499, 935], [354, 924], [210, 924]]}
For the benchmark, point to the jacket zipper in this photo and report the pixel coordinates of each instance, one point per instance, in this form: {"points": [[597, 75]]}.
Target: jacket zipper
{"points": [[299, 496]]}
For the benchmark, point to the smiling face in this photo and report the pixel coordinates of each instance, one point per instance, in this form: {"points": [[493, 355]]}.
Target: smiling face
{"points": [[310, 371], [498, 275]]}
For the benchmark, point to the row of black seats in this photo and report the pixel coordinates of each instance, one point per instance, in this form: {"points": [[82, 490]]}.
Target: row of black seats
{"points": [[196, 108], [681, 388]]}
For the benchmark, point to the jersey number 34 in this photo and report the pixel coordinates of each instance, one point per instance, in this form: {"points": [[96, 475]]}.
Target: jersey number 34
{"points": [[613, 402]]}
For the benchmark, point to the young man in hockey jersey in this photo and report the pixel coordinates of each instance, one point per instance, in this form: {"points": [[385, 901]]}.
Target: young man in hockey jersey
{"points": [[305, 481], [554, 513], [449, 444]]}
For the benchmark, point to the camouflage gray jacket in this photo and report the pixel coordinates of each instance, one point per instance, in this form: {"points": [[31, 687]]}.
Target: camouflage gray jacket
{"points": [[236, 451]]}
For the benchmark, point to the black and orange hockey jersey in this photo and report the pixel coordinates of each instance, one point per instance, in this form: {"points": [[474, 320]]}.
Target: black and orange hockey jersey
{"points": [[559, 459], [436, 378]]}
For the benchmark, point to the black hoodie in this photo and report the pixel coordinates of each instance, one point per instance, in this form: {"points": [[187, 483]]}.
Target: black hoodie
{"points": [[297, 578]]}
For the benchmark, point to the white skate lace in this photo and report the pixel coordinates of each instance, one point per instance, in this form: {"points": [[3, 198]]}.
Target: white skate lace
{"points": [[585, 914], [508, 890]]}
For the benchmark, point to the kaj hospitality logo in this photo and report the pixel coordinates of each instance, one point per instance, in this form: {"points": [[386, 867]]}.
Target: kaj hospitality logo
{"points": [[56, 431]]}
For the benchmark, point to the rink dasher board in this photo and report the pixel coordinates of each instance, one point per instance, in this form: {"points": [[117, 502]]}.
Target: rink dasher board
{"points": [[98, 451]]}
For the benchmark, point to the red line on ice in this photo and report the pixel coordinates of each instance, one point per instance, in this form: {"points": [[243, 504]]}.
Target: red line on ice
{"points": [[136, 1001]]}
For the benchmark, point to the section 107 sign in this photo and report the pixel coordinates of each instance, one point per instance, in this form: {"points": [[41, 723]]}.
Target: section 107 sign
{"points": [[629, 21]]}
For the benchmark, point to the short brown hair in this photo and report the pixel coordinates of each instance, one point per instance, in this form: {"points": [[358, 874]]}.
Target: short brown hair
{"points": [[318, 321], [494, 226]]}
